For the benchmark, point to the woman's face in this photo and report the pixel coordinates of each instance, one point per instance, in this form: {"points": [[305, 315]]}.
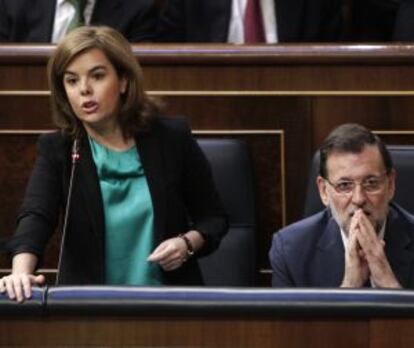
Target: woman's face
{"points": [[93, 88]]}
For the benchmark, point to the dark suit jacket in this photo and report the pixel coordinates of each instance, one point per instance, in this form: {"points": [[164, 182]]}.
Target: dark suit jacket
{"points": [[310, 253], [181, 187], [208, 20], [404, 21], [32, 20], [372, 20]]}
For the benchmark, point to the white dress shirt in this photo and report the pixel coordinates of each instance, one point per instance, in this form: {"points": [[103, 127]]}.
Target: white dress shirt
{"points": [[236, 30], [64, 14]]}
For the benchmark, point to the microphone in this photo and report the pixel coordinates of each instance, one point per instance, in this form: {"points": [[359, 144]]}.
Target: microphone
{"points": [[74, 160]]}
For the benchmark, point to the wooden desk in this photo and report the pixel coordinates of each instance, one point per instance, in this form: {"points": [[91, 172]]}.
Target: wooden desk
{"points": [[185, 318], [206, 332]]}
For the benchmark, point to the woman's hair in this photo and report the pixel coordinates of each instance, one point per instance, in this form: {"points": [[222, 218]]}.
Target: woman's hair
{"points": [[137, 109]]}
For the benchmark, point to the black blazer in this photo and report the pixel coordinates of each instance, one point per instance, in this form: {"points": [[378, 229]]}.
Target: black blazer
{"points": [[181, 188], [32, 20], [208, 20], [310, 253]]}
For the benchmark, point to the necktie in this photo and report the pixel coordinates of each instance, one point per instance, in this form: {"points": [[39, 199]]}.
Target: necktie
{"points": [[78, 19], [253, 22]]}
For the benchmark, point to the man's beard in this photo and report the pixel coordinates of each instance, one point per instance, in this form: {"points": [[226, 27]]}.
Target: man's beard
{"points": [[345, 223]]}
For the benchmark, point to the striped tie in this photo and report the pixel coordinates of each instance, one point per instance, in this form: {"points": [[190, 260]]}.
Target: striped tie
{"points": [[78, 19], [253, 22]]}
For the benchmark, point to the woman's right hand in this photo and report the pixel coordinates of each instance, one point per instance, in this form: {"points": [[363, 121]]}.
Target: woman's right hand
{"points": [[19, 286]]}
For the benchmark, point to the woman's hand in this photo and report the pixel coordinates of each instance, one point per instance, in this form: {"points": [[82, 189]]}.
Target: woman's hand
{"points": [[173, 252], [19, 286], [170, 254]]}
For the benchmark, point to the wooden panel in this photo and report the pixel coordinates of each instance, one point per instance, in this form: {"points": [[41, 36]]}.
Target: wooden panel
{"points": [[271, 68], [397, 137], [25, 112], [291, 78], [392, 333], [179, 331], [289, 114], [386, 113], [23, 77], [186, 332], [17, 155]]}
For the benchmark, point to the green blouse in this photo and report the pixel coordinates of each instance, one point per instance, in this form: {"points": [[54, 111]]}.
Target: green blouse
{"points": [[129, 217]]}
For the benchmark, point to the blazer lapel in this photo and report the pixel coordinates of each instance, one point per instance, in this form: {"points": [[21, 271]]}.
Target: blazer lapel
{"points": [[217, 16], [40, 20], [150, 152], [107, 11], [289, 17], [399, 247], [88, 181], [329, 258]]}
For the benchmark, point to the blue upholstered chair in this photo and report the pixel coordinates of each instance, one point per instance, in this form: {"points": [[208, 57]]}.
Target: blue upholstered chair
{"points": [[403, 160], [233, 264]]}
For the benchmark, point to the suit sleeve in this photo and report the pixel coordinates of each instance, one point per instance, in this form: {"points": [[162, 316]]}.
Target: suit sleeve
{"points": [[404, 22], [143, 27], [280, 274], [4, 23], [202, 199], [331, 21], [38, 217], [171, 25]]}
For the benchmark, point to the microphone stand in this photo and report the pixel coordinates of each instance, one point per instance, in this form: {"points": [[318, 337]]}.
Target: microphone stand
{"points": [[75, 157]]}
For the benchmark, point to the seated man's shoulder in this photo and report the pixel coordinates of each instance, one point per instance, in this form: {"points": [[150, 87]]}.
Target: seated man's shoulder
{"points": [[401, 214], [308, 228]]}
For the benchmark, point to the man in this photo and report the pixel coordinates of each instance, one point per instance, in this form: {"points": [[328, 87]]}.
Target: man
{"points": [[49, 20], [361, 238], [219, 20]]}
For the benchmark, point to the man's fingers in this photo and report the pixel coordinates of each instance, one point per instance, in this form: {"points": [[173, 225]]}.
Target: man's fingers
{"points": [[367, 236], [367, 225], [354, 223]]}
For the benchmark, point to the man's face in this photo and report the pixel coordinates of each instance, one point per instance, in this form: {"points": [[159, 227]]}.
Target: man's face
{"points": [[372, 189]]}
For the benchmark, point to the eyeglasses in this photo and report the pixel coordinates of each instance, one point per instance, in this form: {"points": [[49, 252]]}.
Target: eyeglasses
{"points": [[372, 184]]}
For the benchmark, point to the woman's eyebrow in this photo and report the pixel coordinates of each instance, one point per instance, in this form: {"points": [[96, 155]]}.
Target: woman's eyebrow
{"points": [[97, 67]]}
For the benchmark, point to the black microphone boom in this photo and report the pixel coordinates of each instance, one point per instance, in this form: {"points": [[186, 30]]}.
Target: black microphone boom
{"points": [[75, 157]]}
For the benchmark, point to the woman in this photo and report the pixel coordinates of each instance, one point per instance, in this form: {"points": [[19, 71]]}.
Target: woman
{"points": [[138, 178]]}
